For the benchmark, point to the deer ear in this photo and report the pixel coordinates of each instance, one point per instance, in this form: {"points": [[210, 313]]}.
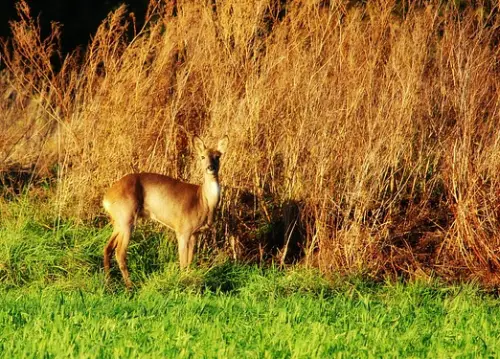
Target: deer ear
{"points": [[198, 144], [222, 144]]}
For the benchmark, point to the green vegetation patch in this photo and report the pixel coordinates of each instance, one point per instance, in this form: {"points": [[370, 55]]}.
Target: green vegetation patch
{"points": [[54, 304], [266, 313]]}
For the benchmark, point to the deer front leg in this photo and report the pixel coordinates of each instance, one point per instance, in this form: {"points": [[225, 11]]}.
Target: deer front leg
{"points": [[191, 245], [183, 243]]}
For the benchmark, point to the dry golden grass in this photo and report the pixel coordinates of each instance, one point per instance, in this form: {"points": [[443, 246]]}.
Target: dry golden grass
{"points": [[364, 139]]}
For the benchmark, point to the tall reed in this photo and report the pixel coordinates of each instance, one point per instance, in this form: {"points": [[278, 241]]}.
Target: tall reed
{"points": [[364, 138]]}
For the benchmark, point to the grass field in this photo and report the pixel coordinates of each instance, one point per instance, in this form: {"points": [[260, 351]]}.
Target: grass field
{"points": [[267, 314], [55, 305]]}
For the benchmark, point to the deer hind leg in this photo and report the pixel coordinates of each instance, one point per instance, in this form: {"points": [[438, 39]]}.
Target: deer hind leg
{"points": [[108, 252], [123, 240]]}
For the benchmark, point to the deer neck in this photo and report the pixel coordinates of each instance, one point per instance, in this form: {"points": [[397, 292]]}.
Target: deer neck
{"points": [[211, 194]]}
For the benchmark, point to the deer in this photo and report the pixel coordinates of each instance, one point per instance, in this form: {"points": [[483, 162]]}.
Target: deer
{"points": [[186, 208]]}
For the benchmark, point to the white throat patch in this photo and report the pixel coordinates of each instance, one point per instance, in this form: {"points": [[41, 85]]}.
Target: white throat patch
{"points": [[212, 192]]}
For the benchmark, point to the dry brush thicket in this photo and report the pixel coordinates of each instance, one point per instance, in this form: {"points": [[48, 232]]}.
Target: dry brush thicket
{"points": [[363, 138]]}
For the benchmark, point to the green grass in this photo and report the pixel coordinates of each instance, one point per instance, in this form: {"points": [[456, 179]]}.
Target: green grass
{"points": [[266, 316], [54, 304]]}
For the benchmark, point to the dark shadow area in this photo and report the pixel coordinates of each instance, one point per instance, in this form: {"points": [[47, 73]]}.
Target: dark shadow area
{"points": [[263, 229], [16, 179], [79, 18]]}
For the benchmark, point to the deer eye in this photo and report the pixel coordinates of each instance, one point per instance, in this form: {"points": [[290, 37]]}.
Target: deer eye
{"points": [[202, 157]]}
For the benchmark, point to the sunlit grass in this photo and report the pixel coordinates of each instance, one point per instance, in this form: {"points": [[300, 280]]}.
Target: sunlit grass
{"points": [[250, 320], [55, 304]]}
